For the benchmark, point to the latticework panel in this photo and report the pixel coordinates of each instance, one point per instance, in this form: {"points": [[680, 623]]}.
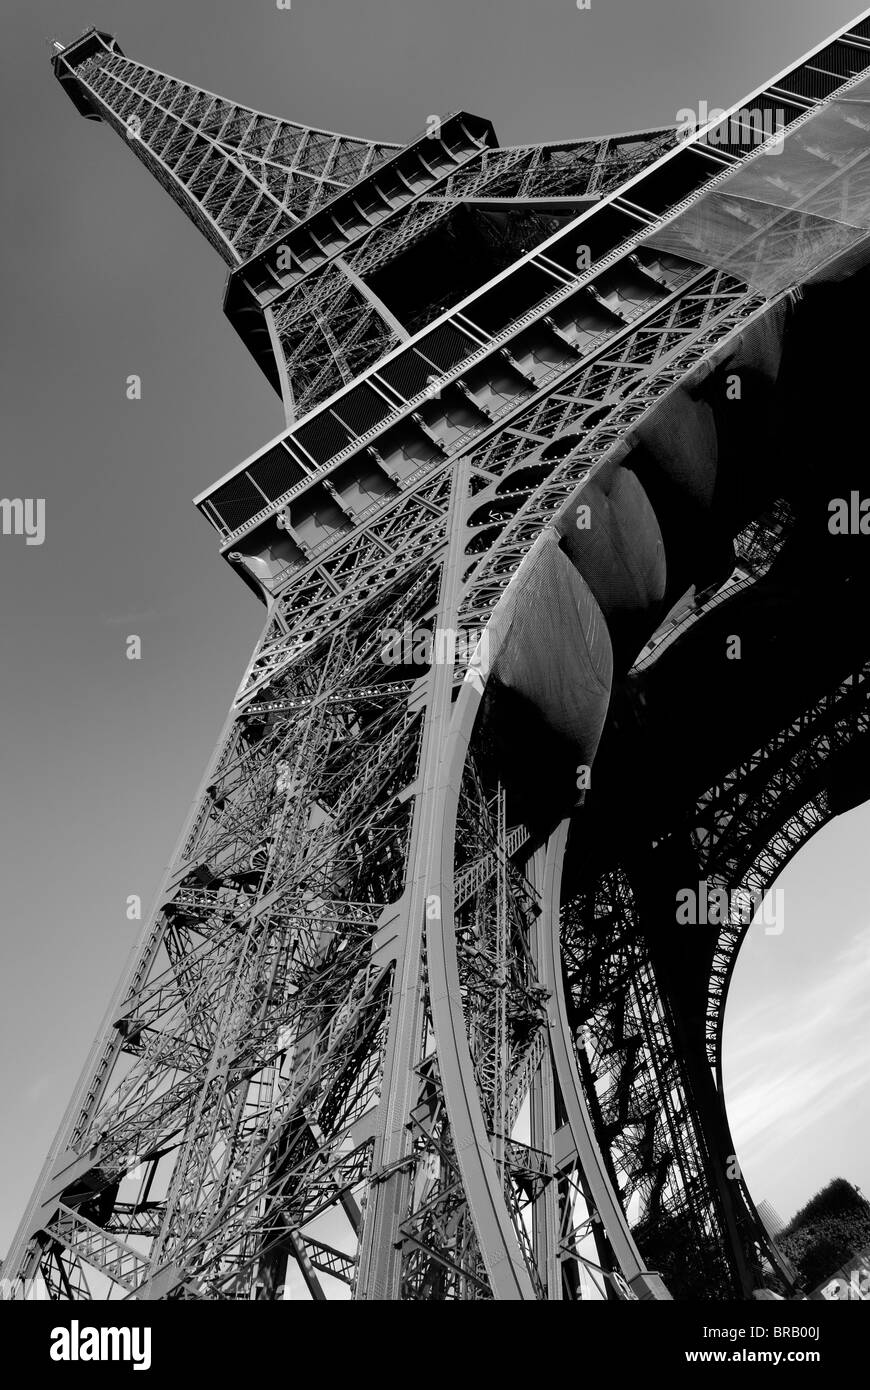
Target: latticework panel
{"points": [[240, 175]]}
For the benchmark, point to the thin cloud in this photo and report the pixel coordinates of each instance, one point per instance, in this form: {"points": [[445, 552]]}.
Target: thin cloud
{"points": [[798, 1056]]}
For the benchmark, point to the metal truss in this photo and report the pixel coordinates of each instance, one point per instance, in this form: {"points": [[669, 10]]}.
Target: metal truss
{"points": [[751, 824], [363, 1048], [239, 175], [518, 195], [245, 179], [744, 830], [630, 1066]]}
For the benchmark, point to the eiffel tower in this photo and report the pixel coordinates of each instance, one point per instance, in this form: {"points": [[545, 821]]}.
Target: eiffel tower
{"points": [[558, 627]]}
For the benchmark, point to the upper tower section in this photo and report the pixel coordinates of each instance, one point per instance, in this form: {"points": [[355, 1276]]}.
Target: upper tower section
{"points": [[243, 177], [341, 249]]}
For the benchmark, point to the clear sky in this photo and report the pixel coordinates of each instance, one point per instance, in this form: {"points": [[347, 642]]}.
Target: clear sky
{"points": [[103, 277]]}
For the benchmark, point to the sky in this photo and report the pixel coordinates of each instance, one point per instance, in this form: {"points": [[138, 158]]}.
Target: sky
{"points": [[796, 1054], [103, 277]]}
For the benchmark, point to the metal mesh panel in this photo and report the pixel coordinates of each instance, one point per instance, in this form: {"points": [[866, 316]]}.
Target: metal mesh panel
{"points": [[781, 218], [323, 436], [551, 644], [750, 126], [445, 346], [509, 299], [408, 374], [809, 83], [362, 409], [842, 58], [674, 181], [276, 471], [237, 501]]}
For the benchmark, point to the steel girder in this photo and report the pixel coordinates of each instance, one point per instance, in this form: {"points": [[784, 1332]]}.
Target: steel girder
{"points": [[245, 179], [346, 1045], [743, 830], [306, 959]]}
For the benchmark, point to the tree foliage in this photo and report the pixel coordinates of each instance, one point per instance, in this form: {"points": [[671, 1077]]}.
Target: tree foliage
{"points": [[825, 1234]]}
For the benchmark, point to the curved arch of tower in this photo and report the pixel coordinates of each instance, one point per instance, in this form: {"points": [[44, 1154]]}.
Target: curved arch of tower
{"points": [[557, 635]]}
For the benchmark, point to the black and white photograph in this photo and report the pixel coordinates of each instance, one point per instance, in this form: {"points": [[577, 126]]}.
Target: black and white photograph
{"points": [[435, 696]]}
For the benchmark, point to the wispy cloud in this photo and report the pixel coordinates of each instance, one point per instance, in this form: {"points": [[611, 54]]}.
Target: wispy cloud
{"points": [[798, 1056]]}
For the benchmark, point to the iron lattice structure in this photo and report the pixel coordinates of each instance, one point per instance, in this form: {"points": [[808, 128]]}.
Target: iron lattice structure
{"points": [[415, 1019]]}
